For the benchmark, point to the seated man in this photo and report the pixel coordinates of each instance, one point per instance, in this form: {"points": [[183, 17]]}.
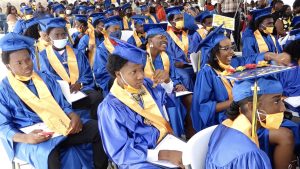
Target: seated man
{"points": [[132, 117], [69, 64], [28, 98]]}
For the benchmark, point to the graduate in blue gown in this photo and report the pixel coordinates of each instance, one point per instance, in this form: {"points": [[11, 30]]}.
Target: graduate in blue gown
{"points": [[152, 18], [136, 120], [17, 107], [126, 10], [232, 144], [180, 45], [27, 15], [80, 23], [138, 38], [113, 29], [69, 64], [83, 45]]}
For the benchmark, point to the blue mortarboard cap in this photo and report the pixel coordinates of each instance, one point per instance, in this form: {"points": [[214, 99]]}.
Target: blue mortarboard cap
{"points": [[27, 10], [205, 14], [58, 8], [114, 20], [82, 18], [258, 13], [97, 17], [129, 52], [295, 21], [90, 9], [42, 26], [28, 23], [126, 6], [213, 38], [139, 19], [174, 10], [243, 89], [53, 23], [13, 41], [293, 35], [155, 29], [82, 8], [144, 7], [111, 10], [189, 22]]}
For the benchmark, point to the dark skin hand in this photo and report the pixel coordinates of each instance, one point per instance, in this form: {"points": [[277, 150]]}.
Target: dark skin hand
{"points": [[179, 88], [76, 124], [161, 76], [74, 88], [173, 156]]}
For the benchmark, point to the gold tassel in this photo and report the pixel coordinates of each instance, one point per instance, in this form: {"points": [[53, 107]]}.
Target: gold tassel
{"points": [[254, 114], [36, 50]]}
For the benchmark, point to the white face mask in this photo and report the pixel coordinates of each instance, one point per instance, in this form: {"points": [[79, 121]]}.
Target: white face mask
{"points": [[60, 44], [68, 12]]}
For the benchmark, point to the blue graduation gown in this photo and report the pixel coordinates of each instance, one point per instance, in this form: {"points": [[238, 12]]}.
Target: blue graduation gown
{"points": [[209, 90], [175, 108], [101, 75], [229, 148], [250, 47], [150, 20], [177, 55], [125, 137], [84, 43], [14, 114], [18, 27], [74, 36], [85, 72], [131, 40]]}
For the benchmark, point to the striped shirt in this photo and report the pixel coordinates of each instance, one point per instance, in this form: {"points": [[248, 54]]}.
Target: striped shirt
{"points": [[229, 6]]}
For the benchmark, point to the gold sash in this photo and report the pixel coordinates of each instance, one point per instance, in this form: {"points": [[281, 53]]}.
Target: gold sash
{"points": [[152, 18], [184, 44], [202, 32], [125, 22], [109, 46], [59, 68], [92, 42], [226, 84], [42, 44], [68, 26], [137, 39], [242, 124], [150, 69], [150, 111], [262, 45], [45, 106]]}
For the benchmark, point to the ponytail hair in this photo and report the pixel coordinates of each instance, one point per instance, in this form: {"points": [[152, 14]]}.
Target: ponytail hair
{"points": [[233, 111]]}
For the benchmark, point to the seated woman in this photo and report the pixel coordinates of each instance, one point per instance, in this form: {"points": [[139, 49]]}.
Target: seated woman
{"points": [[212, 93], [132, 116], [160, 66], [232, 143], [28, 98], [69, 64]]}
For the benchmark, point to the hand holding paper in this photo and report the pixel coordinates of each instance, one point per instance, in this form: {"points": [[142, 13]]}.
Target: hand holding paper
{"points": [[70, 97]]}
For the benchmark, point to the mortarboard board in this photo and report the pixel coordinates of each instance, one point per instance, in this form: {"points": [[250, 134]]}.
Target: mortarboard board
{"points": [[213, 38], [259, 13], [155, 29], [58, 8], [125, 6], [114, 20], [28, 23], [144, 7], [203, 15], [42, 26], [139, 19], [27, 10], [129, 52], [96, 17], [174, 10], [13, 41], [295, 21], [81, 8], [53, 23], [81, 18], [90, 9], [111, 10]]}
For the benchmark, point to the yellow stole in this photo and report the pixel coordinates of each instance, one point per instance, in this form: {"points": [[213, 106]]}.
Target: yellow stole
{"points": [[137, 39], [125, 22], [152, 18], [113, 1], [242, 124], [42, 44], [150, 111], [68, 26], [202, 32], [27, 17], [44, 105], [59, 68], [92, 41], [184, 44], [262, 45], [150, 69], [109, 46]]}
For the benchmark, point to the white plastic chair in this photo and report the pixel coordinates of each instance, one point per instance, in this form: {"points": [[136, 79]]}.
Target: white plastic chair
{"points": [[19, 164], [194, 155], [126, 34]]}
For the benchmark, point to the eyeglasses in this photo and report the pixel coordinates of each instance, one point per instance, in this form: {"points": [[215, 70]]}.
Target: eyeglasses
{"points": [[228, 48]]}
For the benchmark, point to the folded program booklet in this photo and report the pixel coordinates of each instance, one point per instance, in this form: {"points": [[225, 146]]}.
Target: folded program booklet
{"points": [[70, 97], [169, 142]]}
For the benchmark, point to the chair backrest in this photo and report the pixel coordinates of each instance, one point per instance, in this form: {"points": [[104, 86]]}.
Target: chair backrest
{"points": [[195, 154], [126, 34]]}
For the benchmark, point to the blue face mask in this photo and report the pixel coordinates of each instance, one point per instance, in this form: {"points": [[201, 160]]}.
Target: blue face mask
{"points": [[116, 34]]}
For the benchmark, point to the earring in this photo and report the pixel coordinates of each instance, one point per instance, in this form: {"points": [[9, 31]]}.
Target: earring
{"points": [[151, 45]]}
